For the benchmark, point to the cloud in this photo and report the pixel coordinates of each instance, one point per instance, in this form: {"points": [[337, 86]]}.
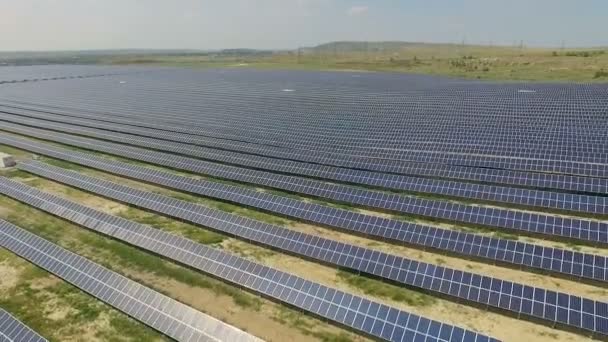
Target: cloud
{"points": [[357, 10]]}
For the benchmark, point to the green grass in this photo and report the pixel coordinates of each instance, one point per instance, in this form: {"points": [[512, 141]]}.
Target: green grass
{"points": [[505, 236], [308, 326], [167, 224], [63, 164], [14, 151], [601, 74], [33, 305], [477, 62], [117, 255], [15, 173], [382, 290]]}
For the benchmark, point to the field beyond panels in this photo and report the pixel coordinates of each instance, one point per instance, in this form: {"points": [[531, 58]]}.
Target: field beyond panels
{"points": [[367, 206], [461, 61]]}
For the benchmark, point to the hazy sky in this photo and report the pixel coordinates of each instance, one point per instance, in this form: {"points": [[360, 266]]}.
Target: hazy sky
{"points": [[213, 24]]}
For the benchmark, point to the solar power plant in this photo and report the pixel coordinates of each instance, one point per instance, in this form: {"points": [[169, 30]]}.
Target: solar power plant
{"points": [[590, 231], [345, 206], [358, 313], [12, 330], [174, 319], [548, 259], [518, 298]]}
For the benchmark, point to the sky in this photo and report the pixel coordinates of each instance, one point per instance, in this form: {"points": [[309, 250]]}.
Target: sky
{"points": [[280, 24]]}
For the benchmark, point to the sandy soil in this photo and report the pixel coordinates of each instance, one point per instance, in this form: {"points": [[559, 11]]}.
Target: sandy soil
{"points": [[259, 323], [9, 276], [494, 324]]}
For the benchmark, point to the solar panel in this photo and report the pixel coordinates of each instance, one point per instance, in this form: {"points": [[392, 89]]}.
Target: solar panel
{"points": [[185, 324], [11, 330], [526, 197], [589, 231], [158, 311], [463, 285], [585, 266]]}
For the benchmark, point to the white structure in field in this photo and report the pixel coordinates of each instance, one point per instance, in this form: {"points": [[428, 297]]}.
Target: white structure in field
{"points": [[6, 160]]}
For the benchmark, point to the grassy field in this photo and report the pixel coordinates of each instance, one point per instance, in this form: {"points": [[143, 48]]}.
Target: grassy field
{"points": [[475, 62]]}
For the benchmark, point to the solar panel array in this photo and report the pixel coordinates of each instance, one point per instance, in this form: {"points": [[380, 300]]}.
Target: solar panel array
{"points": [[12, 330], [309, 296], [191, 146], [331, 117], [590, 231], [575, 264], [537, 180], [517, 298], [497, 155], [570, 167], [158, 311], [36, 73]]}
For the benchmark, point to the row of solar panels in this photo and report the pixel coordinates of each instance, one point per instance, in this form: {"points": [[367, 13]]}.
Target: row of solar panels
{"points": [[50, 79], [283, 114], [285, 164], [355, 312], [506, 149], [535, 198], [552, 145], [590, 231], [128, 126], [160, 312], [12, 330], [514, 253], [522, 300], [473, 160], [333, 140]]}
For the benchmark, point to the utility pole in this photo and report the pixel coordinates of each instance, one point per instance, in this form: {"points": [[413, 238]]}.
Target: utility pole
{"points": [[299, 55]]}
